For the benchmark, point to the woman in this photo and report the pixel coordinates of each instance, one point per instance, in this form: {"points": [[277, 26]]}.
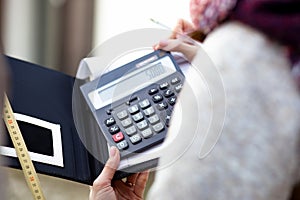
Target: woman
{"points": [[257, 156], [255, 46]]}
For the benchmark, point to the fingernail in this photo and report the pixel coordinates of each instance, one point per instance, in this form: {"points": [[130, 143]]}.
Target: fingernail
{"points": [[112, 151], [155, 47]]}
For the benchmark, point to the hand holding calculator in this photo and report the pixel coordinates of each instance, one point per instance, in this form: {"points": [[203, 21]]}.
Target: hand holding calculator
{"points": [[133, 103]]}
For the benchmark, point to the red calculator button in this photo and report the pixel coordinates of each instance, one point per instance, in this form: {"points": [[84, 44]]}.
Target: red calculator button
{"points": [[118, 137]]}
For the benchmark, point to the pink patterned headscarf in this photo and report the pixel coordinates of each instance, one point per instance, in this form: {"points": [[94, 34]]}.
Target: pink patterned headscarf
{"points": [[277, 19], [206, 14]]}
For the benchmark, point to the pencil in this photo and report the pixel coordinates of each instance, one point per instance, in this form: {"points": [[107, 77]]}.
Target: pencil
{"points": [[195, 35]]}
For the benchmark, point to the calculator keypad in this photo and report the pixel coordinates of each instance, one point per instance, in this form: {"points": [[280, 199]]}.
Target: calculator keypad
{"points": [[122, 145], [109, 121], [141, 121], [126, 122], [157, 98]]}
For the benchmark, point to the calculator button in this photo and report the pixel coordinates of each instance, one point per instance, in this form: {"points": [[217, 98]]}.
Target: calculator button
{"points": [[147, 133], [168, 93], [132, 99], [178, 87], [162, 106], [126, 122], [130, 131], [118, 137], [166, 117], [157, 98], [137, 117], [142, 125], [149, 111], [144, 104], [114, 129], [168, 120], [110, 121], [135, 138], [158, 127], [122, 115], [109, 111], [154, 119], [172, 101], [122, 145], [133, 109], [164, 86], [175, 80], [153, 91]]}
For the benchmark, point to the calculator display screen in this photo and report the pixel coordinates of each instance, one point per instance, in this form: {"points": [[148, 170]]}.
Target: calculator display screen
{"points": [[133, 81], [148, 74]]}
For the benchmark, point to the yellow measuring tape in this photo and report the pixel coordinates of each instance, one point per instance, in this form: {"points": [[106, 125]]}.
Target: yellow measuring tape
{"points": [[22, 152]]}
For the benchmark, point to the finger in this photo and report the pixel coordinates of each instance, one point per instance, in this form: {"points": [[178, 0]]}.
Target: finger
{"points": [[140, 183], [187, 26], [173, 45], [169, 45], [177, 30], [185, 39], [132, 179], [187, 49], [135, 190], [182, 27], [161, 45], [123, 189], [104, 179]]}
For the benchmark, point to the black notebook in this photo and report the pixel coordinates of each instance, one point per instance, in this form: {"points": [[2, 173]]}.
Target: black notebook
{"points": [[42, 102]]}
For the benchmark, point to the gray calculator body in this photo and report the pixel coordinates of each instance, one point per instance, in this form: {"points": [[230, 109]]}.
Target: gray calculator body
{"points": [[132, 104]]}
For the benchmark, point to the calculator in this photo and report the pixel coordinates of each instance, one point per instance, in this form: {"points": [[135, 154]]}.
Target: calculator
{"points": [[132, 104]]}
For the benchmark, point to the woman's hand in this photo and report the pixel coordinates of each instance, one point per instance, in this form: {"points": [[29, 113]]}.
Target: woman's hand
{"points": [[183, 27], [104, 188], [180, 41], [179, 45]]}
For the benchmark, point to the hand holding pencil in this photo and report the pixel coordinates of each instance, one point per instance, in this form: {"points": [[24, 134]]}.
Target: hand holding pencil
{"points": [[184, 28], [182, 39]]}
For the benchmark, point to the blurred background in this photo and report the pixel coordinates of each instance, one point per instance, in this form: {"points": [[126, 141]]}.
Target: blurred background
{"points": [[59, 33]]}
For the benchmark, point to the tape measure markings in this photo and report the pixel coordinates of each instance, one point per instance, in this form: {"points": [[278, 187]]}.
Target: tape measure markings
{"points": [[21, 150]]}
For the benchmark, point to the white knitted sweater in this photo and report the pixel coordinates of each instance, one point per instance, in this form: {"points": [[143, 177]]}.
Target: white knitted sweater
{"points": [[257, 156]]}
